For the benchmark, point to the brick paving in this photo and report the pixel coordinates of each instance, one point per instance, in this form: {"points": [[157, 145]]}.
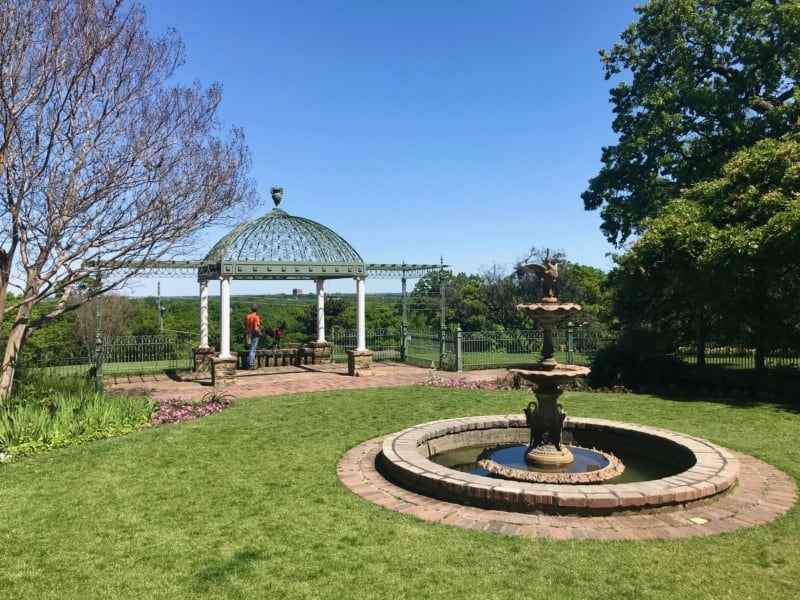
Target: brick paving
{"points": [[288, 380], [762, 494]]}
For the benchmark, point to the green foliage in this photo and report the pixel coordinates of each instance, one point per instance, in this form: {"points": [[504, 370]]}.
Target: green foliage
{"points": [[705, 173], [384, 313], [465, 302], [65, 418], [339, 314], [720, 256], [488, 302], [32, 385], [707, 79], [638, 360]]}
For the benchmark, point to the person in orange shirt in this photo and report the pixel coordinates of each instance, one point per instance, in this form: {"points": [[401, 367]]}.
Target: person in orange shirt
{"points": [[252, 325]]}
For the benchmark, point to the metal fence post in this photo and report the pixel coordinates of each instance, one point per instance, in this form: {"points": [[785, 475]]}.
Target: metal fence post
{"points": [[459, 351], [98, 345], [442, 332], [404, 323], [442, 321], [570, 343]]}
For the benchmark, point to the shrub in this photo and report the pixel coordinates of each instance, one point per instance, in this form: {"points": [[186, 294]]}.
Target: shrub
{"points": [[36, 385], [636, 360]]}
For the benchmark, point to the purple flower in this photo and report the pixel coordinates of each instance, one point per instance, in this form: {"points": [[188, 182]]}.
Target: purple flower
{"points": [[175, 410]]}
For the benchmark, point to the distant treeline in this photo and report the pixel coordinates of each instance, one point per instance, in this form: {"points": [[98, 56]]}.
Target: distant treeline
{"points": [[471, 302]]}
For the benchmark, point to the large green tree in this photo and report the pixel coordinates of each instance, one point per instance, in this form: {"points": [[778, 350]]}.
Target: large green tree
{"points": [[722, 256], [101, 158], [699, 81], [489, 301], [576, 283], [465, 302]]}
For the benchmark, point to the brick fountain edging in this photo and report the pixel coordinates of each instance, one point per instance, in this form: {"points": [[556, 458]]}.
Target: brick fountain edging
{"points": [[712, 472], [761, 494]]}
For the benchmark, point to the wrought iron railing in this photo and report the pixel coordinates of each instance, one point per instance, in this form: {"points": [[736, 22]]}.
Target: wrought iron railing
{"points": [[741, 357], [431, 348], [56, 360], [148, 353], [126, 355], [384, 343], [469, 350], [489, 349]]}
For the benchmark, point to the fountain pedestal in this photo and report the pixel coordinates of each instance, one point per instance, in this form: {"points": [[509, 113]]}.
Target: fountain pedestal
{"points": [[545, 417]]}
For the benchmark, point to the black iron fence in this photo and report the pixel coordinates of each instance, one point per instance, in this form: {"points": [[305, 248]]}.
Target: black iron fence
{"points": [[123, 355], [740, 357], [462, 350], [445, 350], [384, 343]]}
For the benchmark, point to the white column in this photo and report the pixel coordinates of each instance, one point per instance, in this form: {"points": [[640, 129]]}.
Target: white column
{"points": [[320, 310], [204, 314], [225, 317], [361, 327]]}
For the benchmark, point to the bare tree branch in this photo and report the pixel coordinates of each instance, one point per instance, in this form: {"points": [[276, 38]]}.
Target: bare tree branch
{"points": [[100, 157]]}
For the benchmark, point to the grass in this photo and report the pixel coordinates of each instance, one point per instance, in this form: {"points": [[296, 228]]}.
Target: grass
{"points": [[246, 504]]}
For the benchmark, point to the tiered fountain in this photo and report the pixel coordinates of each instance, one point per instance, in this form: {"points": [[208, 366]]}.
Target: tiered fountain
{"points": [[546, 458], [472, 460], [548, 377]]}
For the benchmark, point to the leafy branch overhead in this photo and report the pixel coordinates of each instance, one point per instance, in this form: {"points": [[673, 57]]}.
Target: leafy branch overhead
{"points": [[701, 80]]}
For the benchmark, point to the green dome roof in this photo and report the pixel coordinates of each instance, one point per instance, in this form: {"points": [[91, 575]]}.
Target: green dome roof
{"points": [[280, 237]]}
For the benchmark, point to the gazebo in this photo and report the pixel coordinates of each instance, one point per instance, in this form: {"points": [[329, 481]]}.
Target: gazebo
{"points": [[279, 246]]}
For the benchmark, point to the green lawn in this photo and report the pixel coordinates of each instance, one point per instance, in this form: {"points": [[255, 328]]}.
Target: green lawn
{"points": [[247, 504]]}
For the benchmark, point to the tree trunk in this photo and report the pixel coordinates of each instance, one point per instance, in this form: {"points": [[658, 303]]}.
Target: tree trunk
{"points": [[700, 340], [760, 356], [13, 347], [16, 339]]}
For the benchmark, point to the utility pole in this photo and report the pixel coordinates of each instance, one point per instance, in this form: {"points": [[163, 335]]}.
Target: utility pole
{"points": [[161, 309], [98, 338], [442, 318]]}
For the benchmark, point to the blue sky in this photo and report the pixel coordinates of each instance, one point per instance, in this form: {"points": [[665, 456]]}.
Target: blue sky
{"points": [[418, 130]]}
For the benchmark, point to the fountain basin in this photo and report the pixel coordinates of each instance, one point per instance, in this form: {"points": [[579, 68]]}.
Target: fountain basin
{"points": [[549, 307], [509, 462], [551, 376], [703, 471]]}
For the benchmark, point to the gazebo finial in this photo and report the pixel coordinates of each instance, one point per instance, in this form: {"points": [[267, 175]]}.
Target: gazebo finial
{"points": [[277, 195]]}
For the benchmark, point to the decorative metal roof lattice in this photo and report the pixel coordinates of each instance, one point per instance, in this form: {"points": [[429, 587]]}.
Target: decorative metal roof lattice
{"points": [[277, 246], [280, 237], [394, 271]]}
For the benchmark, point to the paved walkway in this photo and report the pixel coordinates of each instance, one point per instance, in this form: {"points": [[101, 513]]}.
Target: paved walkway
{"points": [[762, 495], [289, 380]]}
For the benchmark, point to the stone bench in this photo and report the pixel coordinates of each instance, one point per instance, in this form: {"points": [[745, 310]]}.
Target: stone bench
{"points": [[290, 355], [272, 357]]}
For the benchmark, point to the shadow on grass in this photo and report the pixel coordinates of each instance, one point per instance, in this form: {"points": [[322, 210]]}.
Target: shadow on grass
{"points": [[784, 402], [221, 570], [779, 388]]}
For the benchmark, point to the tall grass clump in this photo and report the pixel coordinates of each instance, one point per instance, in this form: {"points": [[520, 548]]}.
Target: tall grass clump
{"points": [[32, 385], [43, 416]]}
